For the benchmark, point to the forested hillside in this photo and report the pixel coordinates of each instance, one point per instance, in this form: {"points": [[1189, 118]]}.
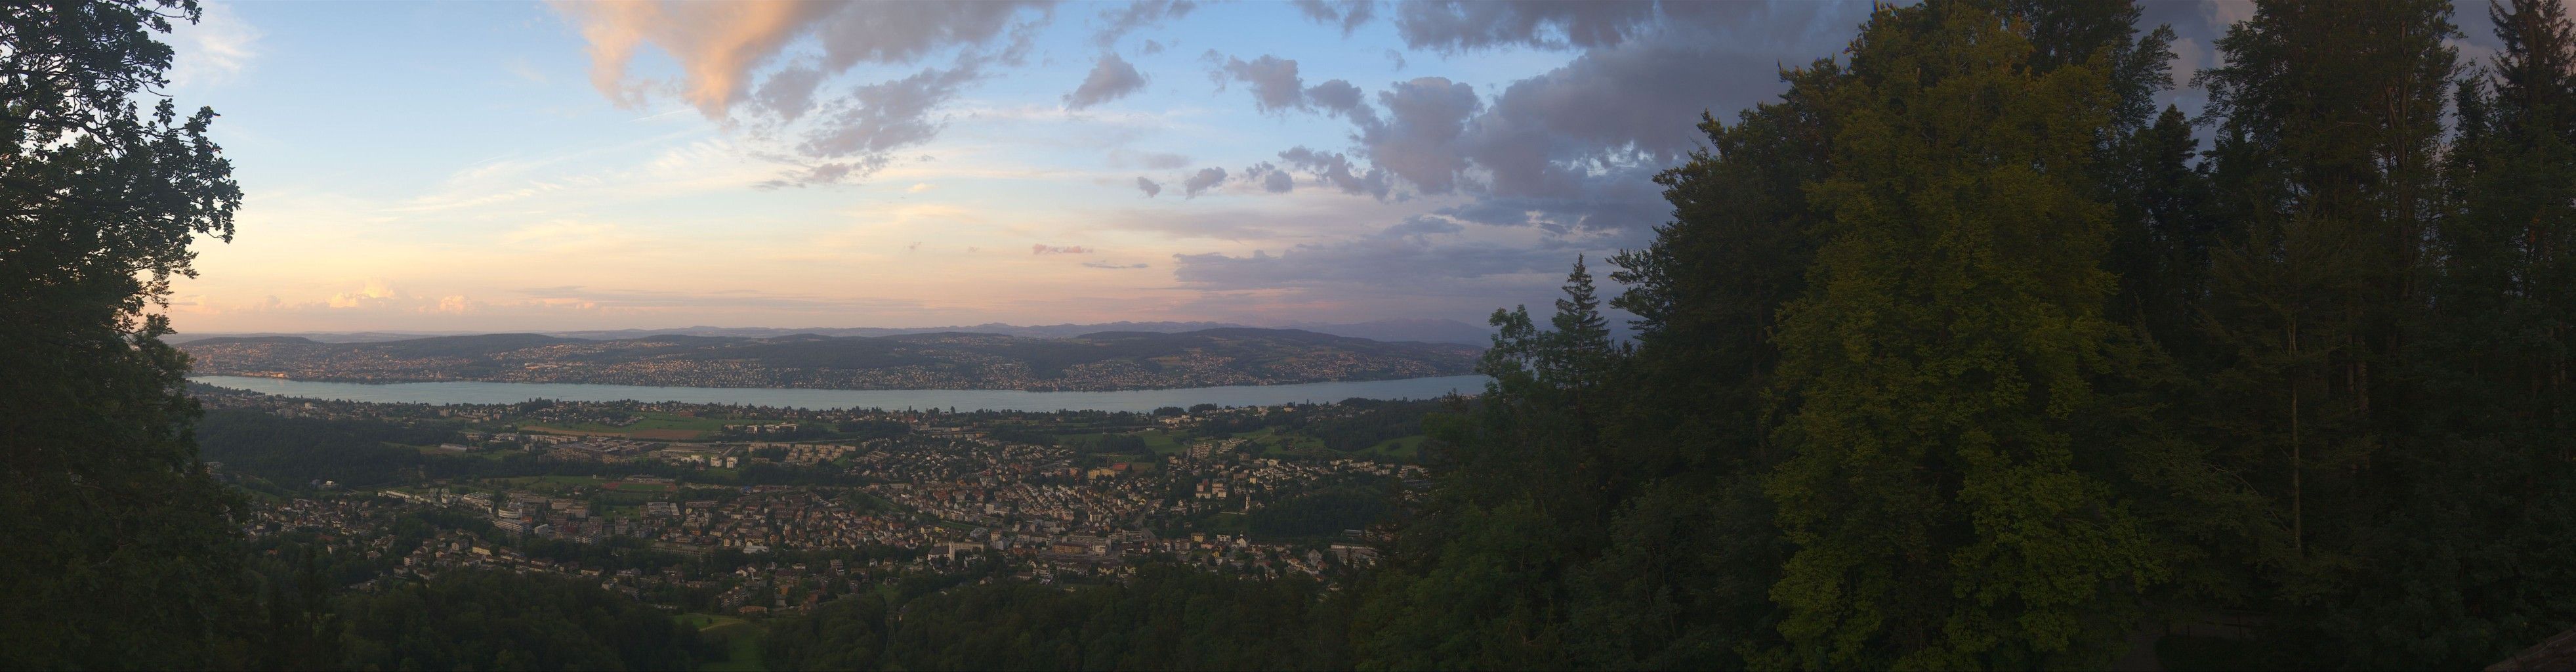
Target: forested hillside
{"points": [[1963, 355]]}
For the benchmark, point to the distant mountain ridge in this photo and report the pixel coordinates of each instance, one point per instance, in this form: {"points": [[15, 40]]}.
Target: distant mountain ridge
{"points": [[1102, 360], [1421, 330]]}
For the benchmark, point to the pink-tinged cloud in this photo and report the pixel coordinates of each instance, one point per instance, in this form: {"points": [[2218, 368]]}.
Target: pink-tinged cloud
{"points": [[1043, 248]]}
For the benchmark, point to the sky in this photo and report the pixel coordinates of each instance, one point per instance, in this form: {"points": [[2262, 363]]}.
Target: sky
{"points": [[490, 166]]}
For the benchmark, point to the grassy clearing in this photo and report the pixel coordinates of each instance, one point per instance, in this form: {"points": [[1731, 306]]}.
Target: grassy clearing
{"points": [[1161, 442]]}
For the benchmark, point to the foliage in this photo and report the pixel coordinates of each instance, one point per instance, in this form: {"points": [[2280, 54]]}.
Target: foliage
{"points": [[499, 620], [103, 186], [294, 451]]}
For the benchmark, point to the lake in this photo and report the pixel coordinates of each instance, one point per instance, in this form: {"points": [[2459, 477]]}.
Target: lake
{"points": [[462, 392]]}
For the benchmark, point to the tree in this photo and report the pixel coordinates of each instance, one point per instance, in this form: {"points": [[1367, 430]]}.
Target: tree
{"points": [[2328, 120], [1938, 360], [99, 201]]}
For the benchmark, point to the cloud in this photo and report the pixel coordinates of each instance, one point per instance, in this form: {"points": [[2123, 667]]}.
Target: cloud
{"points": [[1367, 264], [1043, 248], [918, 187], [1113, 266], [1207, 178], [790, 92], [1274, 81], [1272, 179], [1452, 26], [1420, 141], [1111, 78], [1335, 169], [1420, 225], [722, 47], [374, 292], [219, 46], [1124, 158], [1565, 150], [1276, 87], [1349, 14], [1150, 187], [1136, 15], [1340, 98], [720, 44], [878, 118]]}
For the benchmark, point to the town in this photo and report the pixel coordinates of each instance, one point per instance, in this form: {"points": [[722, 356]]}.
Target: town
{"points": [[753, 511]]}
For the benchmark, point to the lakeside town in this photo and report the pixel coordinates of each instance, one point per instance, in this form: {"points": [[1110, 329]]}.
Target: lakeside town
{"points": [[746, 511]]}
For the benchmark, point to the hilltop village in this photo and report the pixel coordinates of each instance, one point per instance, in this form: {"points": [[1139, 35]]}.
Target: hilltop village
{"points": [[748, 511]]}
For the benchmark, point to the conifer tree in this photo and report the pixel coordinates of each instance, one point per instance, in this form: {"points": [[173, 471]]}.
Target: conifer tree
{"points": [[2328, 118]]}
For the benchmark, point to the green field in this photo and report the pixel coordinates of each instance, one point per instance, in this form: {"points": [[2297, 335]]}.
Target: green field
{"points": [[741, 639], [1406, 448], [1268, 442]]}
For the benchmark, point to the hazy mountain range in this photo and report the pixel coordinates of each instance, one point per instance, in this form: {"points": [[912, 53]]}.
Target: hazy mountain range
{"points": [[1393, 331]]}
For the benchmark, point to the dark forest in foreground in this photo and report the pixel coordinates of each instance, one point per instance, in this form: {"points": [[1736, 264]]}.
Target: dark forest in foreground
{"points": [[1959, 355]]}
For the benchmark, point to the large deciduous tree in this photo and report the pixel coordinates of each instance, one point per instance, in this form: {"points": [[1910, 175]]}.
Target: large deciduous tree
{"points": [[118, 543], [1937, 363]]}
